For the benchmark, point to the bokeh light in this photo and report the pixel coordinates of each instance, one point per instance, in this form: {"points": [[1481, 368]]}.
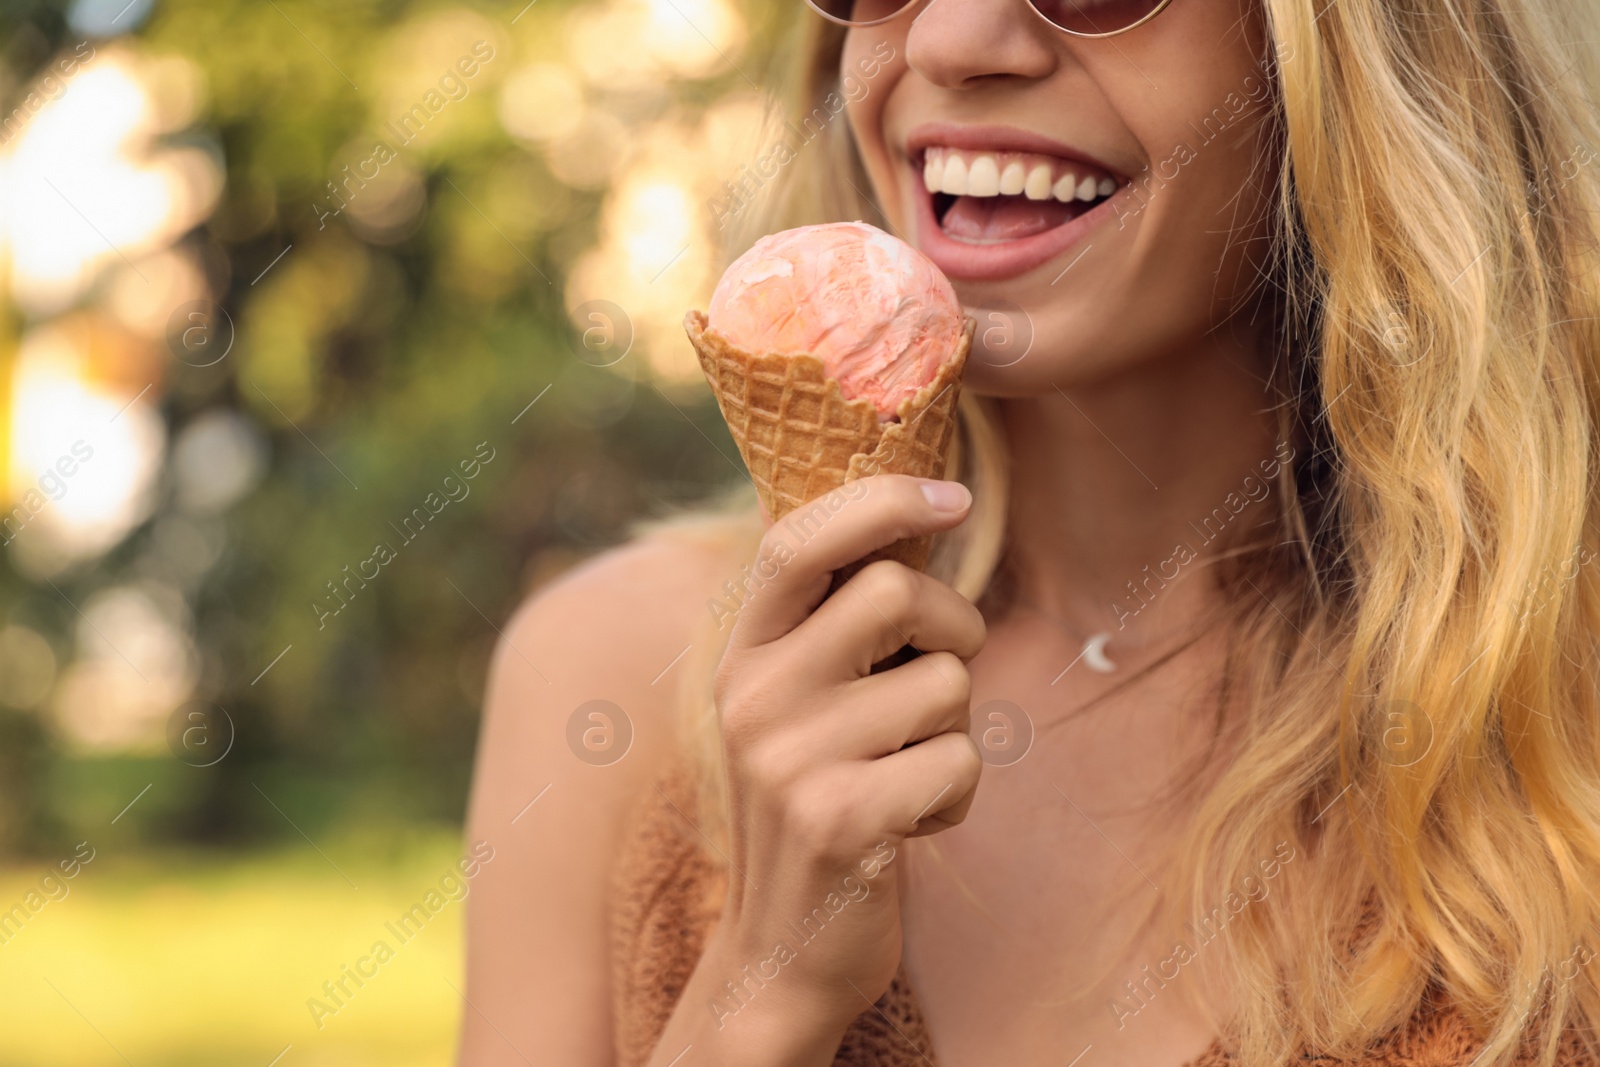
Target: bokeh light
{"points": [[85, 187], [218, 458], [659, 243], [84, 455], [135, 665], [541, 101], [627, 44]]}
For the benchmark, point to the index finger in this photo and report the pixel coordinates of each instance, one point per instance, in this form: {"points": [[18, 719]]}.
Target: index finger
{"points": [[800, 552]]}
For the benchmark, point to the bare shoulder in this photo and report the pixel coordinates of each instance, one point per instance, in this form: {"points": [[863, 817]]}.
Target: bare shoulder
{"points": [[644, 591], [581, 711], [616, 623], [588, 670]]}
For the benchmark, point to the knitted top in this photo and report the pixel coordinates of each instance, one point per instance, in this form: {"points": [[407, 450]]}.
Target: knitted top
{"points": [[667, 895]]}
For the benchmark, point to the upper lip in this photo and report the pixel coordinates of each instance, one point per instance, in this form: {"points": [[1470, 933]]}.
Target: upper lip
{"points": [[997, 139]]}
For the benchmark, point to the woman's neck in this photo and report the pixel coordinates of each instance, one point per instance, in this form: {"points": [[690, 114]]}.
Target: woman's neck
{"points": [[1120, 481]]}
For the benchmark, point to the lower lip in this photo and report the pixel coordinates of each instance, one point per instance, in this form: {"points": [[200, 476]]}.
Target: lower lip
{"points": [[1004, 259]]}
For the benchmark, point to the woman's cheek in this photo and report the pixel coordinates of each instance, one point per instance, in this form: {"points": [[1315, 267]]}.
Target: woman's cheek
{"points": [[867, 70], [869, 97]]}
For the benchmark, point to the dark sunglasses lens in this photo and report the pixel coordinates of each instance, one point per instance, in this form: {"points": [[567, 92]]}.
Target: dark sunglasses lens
{"points": [[860, 12], [1096, 17]]}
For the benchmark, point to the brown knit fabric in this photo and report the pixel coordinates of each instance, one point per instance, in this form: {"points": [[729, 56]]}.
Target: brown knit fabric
{"points": [[667, 896]]}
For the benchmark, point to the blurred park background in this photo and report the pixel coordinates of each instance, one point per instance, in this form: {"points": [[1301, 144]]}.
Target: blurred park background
{"points": [[282, 282]]}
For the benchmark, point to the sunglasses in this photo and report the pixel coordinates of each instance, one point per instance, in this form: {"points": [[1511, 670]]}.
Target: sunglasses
{"points": [[1081, 18]]}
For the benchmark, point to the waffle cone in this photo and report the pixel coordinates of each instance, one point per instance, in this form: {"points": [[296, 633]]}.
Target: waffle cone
{"points": [[800, 438]]}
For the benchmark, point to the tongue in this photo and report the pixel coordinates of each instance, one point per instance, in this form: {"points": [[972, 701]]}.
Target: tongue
{"points": [[1004, 218]]}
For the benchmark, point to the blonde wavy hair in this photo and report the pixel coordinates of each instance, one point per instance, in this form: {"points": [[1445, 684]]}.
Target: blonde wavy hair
{"points": [[1417, 678]]}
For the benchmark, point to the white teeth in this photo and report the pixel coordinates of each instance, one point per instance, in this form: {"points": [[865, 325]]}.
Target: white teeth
{"points": [[986, 174], [1037, 184], [954, 180], [983, 179], [1013, 178]]}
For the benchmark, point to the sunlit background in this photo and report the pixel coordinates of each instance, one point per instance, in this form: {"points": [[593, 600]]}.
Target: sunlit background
{"points": [[271, 270]]}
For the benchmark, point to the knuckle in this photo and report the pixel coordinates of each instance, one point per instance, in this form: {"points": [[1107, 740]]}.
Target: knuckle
{"points": [[740, 730], [963, 719], [820, 817], [950, 675], [770, 767], [743, 699], [773, 553], [969, 764], [980, 628], [890, 587]]}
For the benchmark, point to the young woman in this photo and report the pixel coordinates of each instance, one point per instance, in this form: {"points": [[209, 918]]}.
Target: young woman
{"points": [[1265, 599]]}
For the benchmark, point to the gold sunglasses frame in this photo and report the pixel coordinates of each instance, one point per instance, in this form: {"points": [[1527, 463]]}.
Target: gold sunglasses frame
{"points": [[814, 6]]}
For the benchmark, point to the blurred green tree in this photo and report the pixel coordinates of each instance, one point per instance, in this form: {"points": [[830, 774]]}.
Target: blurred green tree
{"points": [[344, 609]]}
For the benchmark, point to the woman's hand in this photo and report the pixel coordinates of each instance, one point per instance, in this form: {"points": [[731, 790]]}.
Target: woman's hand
{"points": [[830, 768]]}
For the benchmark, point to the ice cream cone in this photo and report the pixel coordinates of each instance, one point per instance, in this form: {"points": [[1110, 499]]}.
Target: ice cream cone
{"points": [[800, 438]]}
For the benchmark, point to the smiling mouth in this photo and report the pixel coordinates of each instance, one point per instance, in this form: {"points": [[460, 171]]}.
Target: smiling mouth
{"points": [[988, 198]]}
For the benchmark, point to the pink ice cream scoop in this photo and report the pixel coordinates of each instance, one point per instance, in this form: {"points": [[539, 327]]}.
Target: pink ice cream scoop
{"points": [[878, 313]]}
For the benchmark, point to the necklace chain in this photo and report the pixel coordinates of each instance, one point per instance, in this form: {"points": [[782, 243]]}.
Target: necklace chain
{"points": [[1093, 652], [1093, 647]]}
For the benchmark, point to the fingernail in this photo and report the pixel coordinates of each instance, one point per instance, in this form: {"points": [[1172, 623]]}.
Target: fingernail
{"points": [[946, 496]]}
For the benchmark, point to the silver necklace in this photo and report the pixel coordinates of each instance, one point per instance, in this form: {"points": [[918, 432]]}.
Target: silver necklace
{"points": [[1093, 653]]}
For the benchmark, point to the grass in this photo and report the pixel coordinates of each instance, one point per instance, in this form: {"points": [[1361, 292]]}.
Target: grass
{"points": [[198, 958]]}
